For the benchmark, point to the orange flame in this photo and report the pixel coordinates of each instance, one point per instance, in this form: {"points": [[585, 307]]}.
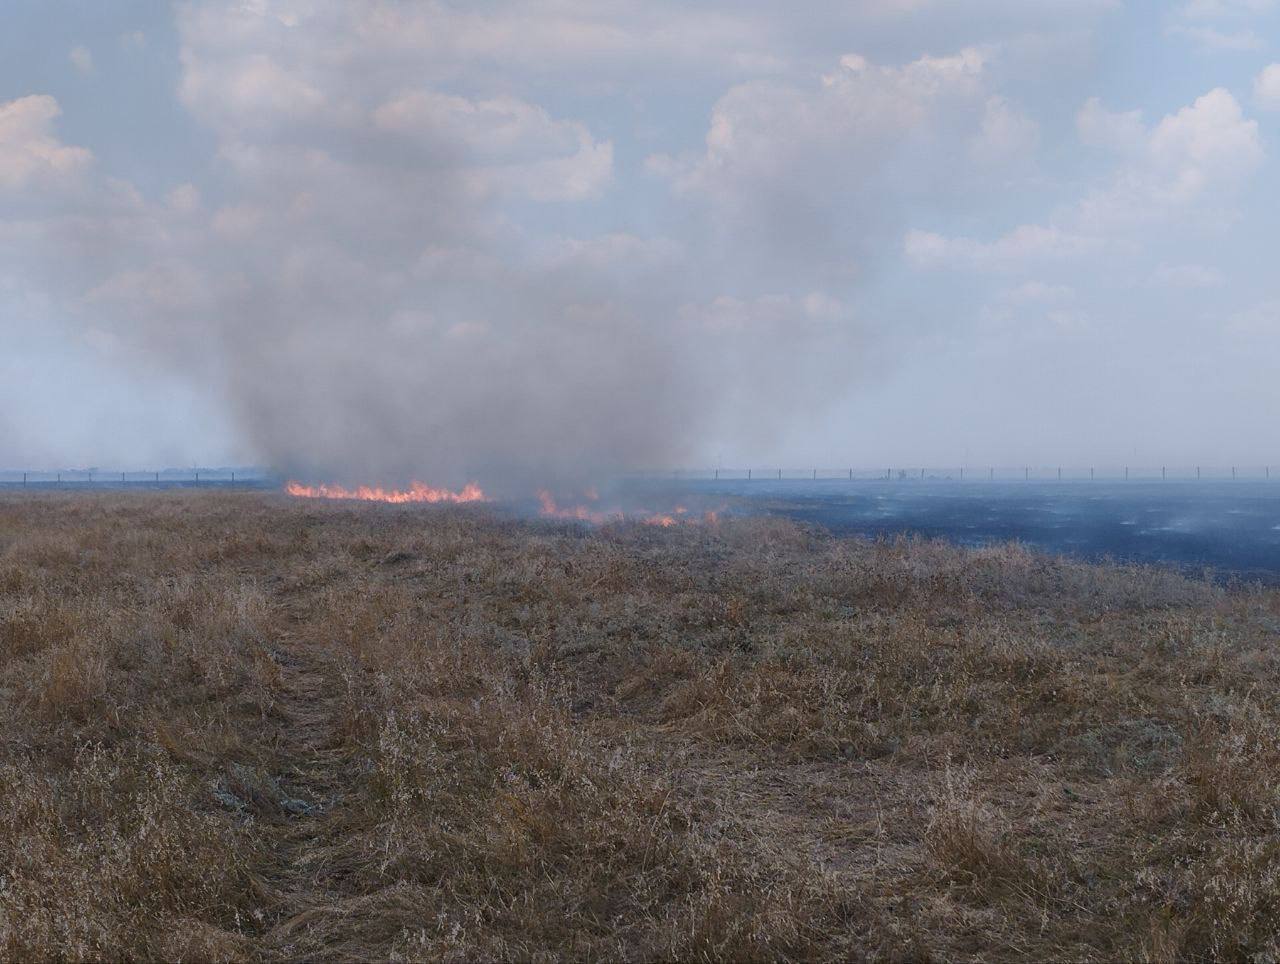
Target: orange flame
{"points": [[579, 512], [417, 492], [665, 521], [678, 516]]}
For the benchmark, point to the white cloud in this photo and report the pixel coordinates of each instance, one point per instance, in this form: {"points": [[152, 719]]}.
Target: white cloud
{"points": [[1028, 243], [1262, 319], [1266, 87], [1187, 276], [1035, 309], [238, 221], [166, 286], [1100, 127], [81, 59], [1198, 155], [1033, 292], [506, 143], [1207, 144], [1007, 133], [184, 199], [1209, 38], [810, 178], [1211, 9], [764, 131], [610, 253], [251, 90], [29, 152]]}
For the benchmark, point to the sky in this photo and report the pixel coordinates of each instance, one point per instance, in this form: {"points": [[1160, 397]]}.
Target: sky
{"points": [[376, 240]]}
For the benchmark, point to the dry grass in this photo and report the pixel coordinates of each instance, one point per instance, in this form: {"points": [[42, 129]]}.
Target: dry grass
{"points": [[236, 726]]}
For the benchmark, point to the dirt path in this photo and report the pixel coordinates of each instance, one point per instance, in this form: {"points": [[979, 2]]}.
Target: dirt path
{"points": [[308, 778]]}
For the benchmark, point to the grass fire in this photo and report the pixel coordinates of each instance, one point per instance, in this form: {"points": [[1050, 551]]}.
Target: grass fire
{"points": [[246, 725], [417, 492]]}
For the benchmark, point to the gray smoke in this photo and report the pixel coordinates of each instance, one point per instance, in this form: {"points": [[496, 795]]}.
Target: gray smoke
{"points": [[401, 266]]}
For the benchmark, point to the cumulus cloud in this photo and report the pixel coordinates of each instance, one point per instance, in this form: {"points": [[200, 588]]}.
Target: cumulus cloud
{"points": [[1203, 150], [505, 143], [1196, 156], [1266, 87], [811, 178], [1187, 276], [30, 153], [1006, 134], [1118, 131], [1024, 245], [1209, 38], [1205, 145], [1209, 9]]}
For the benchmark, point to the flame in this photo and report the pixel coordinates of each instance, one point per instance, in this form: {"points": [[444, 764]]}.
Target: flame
{"points": [[665, 520], [579, 512], [417, 492]]}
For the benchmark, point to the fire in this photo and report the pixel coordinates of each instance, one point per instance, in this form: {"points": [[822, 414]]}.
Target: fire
{"points": [[665, 520], [417, 492], [579, 512]]}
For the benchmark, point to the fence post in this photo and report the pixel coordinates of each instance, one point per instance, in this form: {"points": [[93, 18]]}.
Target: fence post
{"points": [[1059, 473], [1197, 473], [1233, 473], [1026, 473], [121, 478], [815, 475], [962, 473], [779, 475], [748, 475], [851, 475], [1126, 473], [24, 480], [157, 478], [1162, 472], [717, 474]]}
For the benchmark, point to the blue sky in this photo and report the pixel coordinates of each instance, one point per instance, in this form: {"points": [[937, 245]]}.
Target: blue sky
{"points": [[386, 239]]}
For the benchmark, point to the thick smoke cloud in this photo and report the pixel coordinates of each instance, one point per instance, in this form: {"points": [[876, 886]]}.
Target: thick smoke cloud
{"points": [[539, 240], [370, 284]]}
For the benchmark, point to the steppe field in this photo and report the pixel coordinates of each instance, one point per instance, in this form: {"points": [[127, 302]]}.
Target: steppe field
{"points": [[238, 727]]}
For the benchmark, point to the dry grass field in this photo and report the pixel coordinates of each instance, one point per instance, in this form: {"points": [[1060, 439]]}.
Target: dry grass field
{"points": [[237, 726]]}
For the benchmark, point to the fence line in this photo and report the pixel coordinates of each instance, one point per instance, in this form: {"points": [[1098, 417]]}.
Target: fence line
{"points": [[1111, 473], [1025, 473], [134, 477]]}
